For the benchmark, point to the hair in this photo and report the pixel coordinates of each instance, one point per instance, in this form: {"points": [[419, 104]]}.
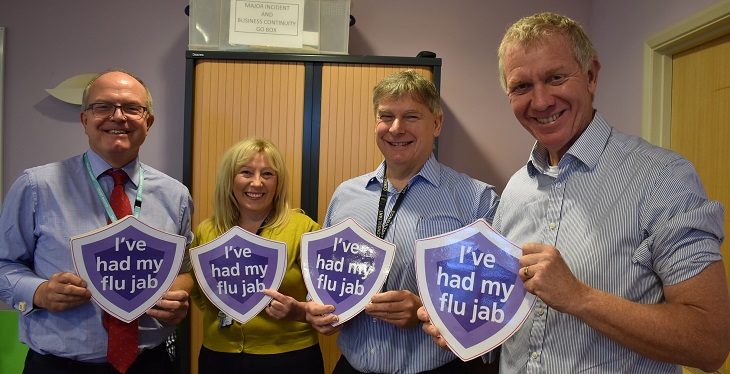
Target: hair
{"points": [[225, 207], [85, 96], [533, 29], [407, 82]]}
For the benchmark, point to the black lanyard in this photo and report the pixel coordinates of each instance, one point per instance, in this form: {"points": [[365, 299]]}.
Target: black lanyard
{"points": [[381, 230], [261, 228]]}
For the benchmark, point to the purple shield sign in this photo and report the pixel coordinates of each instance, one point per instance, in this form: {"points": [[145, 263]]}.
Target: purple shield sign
{"points": [[345, 265], [127, 265], [233, 269], [469, 284]]}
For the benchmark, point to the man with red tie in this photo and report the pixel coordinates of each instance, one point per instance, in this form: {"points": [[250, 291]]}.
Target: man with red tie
{"points": [[47, 205]]}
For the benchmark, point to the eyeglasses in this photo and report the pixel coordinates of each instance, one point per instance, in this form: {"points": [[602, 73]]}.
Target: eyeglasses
{"points": [[106, 110]]}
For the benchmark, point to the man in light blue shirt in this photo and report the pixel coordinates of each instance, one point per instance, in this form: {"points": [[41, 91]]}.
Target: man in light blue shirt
{"points": [[423, 198], [49, 204], [620, 242]]}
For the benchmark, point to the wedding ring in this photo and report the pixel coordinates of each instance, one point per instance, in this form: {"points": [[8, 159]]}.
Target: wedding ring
{"points": [[527, 271]]}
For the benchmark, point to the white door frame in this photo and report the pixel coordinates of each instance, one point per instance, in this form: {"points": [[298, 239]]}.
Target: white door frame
{"points": [[659, 48]]}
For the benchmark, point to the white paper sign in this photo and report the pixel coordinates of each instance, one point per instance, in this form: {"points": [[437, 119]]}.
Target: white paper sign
{"points": [[267, 23]]}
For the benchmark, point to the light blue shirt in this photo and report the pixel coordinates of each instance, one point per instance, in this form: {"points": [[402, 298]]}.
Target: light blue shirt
{"points": [[438, 200], [628, 218], [44, 208]]}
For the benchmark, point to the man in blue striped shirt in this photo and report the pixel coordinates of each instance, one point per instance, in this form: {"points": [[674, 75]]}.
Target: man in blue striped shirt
{"points": [[423, 198], [47, 205], [620, 242]]}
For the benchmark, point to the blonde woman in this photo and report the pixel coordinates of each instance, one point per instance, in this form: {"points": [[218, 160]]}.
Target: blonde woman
{"points": [[250, 192]]}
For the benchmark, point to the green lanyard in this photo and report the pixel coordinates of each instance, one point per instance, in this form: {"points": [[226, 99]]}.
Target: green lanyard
{"points": [[102, 196]]}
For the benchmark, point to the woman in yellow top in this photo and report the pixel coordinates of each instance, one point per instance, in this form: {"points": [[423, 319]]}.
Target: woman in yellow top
{"points": [[250, 192]]}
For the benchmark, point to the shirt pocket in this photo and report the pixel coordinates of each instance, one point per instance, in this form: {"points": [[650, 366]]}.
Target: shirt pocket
{"points": [[437, 225]]}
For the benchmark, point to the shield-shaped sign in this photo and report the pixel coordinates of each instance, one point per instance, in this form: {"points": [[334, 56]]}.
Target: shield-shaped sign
{"points": [[345, 265], [469, 284], [127, 265], [233, 269]]}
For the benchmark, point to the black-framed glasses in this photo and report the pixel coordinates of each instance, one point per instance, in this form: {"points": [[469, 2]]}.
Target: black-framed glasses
{"points": [[106, 110]]}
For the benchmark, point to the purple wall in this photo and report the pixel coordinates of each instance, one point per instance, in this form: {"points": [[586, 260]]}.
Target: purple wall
{"points": [[47, 42]]}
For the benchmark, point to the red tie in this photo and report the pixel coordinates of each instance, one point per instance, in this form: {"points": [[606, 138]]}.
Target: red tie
{"points": [[122, 346]]}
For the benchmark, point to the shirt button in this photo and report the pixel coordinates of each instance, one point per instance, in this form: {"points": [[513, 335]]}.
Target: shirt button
{"points": [[372, 350], [540, 311], [552, 225], [534, 355]]}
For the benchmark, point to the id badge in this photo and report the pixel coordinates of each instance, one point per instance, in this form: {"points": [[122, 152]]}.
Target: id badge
{"points": [[224, 320]]}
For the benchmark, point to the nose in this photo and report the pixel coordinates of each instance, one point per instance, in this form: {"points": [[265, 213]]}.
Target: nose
{"points": [[118, 109], [541, 98], [257, 180], [397, 127]]}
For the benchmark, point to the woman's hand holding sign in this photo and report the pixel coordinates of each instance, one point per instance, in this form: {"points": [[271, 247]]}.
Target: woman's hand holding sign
{"points": [[285, 307]]}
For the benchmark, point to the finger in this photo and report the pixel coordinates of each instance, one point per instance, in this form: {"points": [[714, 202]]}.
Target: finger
{"points": [[531, 248], [68, 278], [180, 295], [274, 295], [525, 273], [314, 309], [423, 314], [65, 291], [275, 306], [387, 297], [328, 330]]}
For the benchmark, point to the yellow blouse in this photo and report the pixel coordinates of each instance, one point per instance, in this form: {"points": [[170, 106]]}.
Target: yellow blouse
{"points": [[262, 334]]}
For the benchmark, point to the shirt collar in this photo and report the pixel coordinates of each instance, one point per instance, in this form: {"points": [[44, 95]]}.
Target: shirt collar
{"points": [[99, 166], [587, 149], [431, 172]]}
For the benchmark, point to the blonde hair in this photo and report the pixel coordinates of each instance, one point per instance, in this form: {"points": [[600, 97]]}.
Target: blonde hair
{"points": [[225, 207], [532, 29]]}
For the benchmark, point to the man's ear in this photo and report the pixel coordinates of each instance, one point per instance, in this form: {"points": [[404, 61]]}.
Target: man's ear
{"points": [[593, 71], [150, 121]]}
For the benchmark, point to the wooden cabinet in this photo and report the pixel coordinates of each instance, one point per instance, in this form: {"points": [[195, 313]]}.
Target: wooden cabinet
{"points": [[316, 108]]}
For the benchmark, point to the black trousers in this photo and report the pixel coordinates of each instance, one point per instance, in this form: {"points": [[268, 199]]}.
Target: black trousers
{"points": [[151, 361], [303, 361], [457, 366]]}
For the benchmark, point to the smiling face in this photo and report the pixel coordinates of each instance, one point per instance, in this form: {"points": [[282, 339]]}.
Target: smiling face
{"points": [[405, 133], [551, 96], [254, 187], [116, 138]]}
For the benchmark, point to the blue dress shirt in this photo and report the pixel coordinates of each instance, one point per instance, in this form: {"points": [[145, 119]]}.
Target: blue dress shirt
{"points": [[44, 208], [628, 218], [438, 200]]}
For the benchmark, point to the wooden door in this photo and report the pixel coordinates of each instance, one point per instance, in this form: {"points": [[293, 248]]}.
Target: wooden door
{"points": [[700, 125]]}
